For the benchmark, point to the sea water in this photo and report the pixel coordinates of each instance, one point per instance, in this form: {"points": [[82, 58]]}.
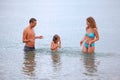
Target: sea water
{"points": [[67, 18]]}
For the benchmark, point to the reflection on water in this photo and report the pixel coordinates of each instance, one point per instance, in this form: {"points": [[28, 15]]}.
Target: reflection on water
{"points": [[90, 64], [29, 63], [56, 60]]}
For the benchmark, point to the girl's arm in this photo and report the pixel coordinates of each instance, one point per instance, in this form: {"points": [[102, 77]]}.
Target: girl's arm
{"points": [[53, 46], [59, 44]]}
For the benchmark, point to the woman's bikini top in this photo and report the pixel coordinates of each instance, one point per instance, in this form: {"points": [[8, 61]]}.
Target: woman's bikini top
{"points": [[91, 35]]}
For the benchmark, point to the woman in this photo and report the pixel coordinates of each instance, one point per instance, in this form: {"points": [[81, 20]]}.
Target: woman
{"points": [[90, 37]]}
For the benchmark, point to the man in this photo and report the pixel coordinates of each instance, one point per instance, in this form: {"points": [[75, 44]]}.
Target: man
{"points": [[29, 36]]}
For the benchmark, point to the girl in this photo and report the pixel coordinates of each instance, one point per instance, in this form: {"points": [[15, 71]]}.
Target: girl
{"points": [[56, 43], [90, 37]]}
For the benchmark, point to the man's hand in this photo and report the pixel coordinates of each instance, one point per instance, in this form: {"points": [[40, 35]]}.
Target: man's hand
{"points": [[39, 37]]}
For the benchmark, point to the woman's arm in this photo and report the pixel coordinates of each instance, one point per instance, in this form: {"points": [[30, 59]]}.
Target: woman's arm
{"points": [[82, 40], [97, 36]]}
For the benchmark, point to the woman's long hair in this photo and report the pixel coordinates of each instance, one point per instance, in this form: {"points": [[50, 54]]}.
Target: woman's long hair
{"points": [[92, 23]]}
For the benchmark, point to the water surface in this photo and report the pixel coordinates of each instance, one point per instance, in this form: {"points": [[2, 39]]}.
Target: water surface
{"points": [[68, 19]]}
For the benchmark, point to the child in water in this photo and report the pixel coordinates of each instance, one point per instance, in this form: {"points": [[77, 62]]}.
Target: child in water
{"points": [[56, 43]]}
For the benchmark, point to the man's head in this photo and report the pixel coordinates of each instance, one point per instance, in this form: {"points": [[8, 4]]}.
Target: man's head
{"points": [[32, 22]]}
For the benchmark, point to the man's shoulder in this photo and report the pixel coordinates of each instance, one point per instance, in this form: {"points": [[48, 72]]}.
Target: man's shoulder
{"points": [[26, 29]]}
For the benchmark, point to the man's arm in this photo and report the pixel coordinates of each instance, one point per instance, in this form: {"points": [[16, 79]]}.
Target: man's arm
{"points": [[38, 37], [24, 37]]}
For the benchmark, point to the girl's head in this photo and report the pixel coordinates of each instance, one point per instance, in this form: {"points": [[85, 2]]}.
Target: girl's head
{"points": [[91, 22], [56, 38]]}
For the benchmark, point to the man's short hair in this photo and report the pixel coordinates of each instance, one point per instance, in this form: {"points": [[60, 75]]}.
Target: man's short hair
{"points": [[32, 20]]}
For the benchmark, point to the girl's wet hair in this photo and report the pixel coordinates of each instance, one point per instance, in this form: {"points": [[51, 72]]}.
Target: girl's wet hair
{"points": [[55, 38]]}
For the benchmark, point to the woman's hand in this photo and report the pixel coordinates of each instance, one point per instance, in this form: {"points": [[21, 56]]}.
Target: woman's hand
{"points": [[81, 42], [90, 42]]}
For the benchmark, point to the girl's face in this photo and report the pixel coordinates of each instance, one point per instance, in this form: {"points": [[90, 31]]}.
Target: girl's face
{"points": [[58, 39]]}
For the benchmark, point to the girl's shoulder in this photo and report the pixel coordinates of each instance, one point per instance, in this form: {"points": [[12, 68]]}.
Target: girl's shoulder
{"points": [[51, 42]]}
